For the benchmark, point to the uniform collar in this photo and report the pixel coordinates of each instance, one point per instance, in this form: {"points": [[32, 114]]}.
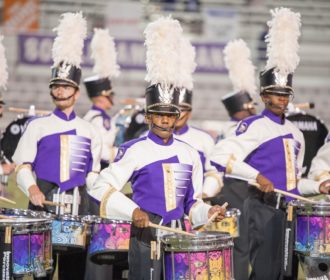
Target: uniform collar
{"points": [[182, 130], [273, 117], [155, 138], [103, 112], [57, 112]]}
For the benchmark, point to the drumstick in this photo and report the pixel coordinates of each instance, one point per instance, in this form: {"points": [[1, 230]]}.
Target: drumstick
{"points": [[51, 203], [287, 193], [7, 200], [170, 229]]}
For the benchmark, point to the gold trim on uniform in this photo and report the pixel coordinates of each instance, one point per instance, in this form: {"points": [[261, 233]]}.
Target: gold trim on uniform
{"points": [[21, 166], [169, 187], [322, 175], [64, 158], [8, 235], [215, 175], [229, 166], [291, 182], [104, 201]]}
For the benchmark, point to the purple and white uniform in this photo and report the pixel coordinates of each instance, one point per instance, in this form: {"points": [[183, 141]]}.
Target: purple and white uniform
{"points": [[58, 149], [166, 180], [107, 128], [204, 144], [264, 144]]}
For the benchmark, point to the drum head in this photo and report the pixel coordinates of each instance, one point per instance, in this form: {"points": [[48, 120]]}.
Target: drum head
{"points": [[11, 137], [314, 131]]}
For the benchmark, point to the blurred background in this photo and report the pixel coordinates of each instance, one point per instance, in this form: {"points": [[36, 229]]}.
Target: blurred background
{"points": [[27, 28]]}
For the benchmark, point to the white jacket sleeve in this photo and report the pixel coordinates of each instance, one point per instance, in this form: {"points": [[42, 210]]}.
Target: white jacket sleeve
{"points": [[24, 156], [110, 182]]}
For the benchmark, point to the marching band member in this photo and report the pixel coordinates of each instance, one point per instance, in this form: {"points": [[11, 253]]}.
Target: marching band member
{"points": [[239, 105], [166, 174], [268, 149], [198, 139], [61, 148], [100, 92], [5, 167]]}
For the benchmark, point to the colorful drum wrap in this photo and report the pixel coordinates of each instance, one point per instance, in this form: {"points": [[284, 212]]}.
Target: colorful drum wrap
{"points": [[312, 230], [30, 241], [69, 232], [110, 236], [208, 256], [31, 249], [210, 265], [313, 234]]}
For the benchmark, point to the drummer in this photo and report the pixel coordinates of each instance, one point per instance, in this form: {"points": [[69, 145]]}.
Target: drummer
{"points": [[268, 150], [61, 148], [166, 174], [100, 92]]}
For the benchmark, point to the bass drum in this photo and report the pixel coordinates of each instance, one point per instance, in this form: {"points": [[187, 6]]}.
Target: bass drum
{"points": [[315, 133], [130, 124], [11, 136]]}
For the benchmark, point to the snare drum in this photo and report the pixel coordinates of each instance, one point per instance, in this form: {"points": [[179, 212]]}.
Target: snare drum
{"points": [[208, 255], [69, 233], [29, 233], [229, 224], [312, 228], [109, 241]]}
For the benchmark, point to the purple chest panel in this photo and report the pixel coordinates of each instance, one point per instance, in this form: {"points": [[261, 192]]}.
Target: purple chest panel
{"points": [[152, 178], [270, 159], [64, 159]]}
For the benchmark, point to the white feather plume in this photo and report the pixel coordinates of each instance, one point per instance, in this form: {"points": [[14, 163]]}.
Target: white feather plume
{"points": [[163, 42], [3, 66], [237, 58], [187, 64], [282, 41], [104, 54], [69, 43]]}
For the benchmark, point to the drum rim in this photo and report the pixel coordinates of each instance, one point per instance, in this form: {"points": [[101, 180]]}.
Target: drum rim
{"points": [[192, 244], [307, 209], [232, 212]]}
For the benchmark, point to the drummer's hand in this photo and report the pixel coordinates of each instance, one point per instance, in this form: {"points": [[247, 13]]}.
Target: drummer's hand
{"points": [[221, 212], [36, 196], [8, 168], [265, 184], [140, 218], [325, 187]]}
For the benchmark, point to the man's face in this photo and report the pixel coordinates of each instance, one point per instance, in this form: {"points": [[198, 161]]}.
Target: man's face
{"points": [[183, 119], [166, 121], [66, 96], [276, 103]]}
